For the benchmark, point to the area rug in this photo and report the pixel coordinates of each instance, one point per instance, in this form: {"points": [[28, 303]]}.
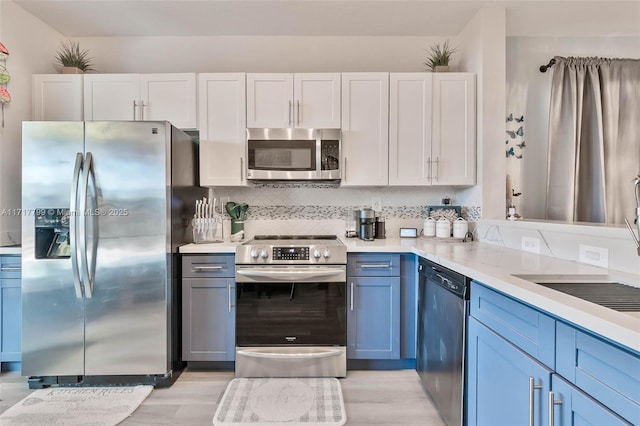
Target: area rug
{"points": [[282, 401], [91, 406]]}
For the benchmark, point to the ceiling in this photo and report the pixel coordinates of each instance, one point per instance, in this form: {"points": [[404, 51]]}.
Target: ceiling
{"points": [[112, 18]]}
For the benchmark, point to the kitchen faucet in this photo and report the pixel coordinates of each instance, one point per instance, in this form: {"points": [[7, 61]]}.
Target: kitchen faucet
{"points": [[636, 182]]}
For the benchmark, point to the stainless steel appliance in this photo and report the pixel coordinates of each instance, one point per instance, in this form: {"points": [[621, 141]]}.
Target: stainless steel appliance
{"points": [[293, 154], [367, 225], [443, 306], [291, 307], [105, 207]]}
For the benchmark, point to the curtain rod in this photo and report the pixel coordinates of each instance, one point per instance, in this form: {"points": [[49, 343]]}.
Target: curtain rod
{"points": [[544, 68]]}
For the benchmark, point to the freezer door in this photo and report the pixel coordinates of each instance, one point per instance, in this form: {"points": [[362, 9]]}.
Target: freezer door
{"points": [[52, 305], [126, 313]]}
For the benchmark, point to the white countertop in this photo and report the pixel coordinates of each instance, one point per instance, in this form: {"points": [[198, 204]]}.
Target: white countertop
{"points": [[10, 250], [495, 267]]}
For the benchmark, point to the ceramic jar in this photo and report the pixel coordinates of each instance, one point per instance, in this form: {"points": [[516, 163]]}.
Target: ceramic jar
{"points": [[443, 228], [429, 227], [460, 228]]}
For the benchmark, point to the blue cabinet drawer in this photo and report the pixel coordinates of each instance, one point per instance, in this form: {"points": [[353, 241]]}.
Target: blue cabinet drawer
{"points": [[10, 266], [522, 325], [373, 265], [606, 372], [208, 266]]}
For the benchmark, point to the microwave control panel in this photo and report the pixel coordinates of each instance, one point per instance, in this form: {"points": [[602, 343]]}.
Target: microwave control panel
{"points": [[330, 154]]}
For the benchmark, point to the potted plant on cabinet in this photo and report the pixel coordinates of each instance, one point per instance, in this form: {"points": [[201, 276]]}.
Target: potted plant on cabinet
{"points": [[72, 60], [439, 56]]}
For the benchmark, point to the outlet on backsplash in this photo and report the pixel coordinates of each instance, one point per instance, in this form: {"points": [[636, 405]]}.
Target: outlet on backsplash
{"points": [[531, 244], [596, 256], [376, 204]]}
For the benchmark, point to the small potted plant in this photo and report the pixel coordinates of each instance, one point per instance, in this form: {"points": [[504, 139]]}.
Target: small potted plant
{"points": [[72, 60], [439, 56]]}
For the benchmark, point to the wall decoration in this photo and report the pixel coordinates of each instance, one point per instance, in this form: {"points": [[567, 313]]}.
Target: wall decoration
{"points": [[5, 97], [514, 151]]}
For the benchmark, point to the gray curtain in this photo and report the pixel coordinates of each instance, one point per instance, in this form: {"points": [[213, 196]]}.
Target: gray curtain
{"points": [[594, 139]]}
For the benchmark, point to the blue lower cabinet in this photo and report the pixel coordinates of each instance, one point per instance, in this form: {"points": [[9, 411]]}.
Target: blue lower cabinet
{"points": [[504, 385], [573, 407], [608, 373], [373, 318], [208, 319], [10, 309]]}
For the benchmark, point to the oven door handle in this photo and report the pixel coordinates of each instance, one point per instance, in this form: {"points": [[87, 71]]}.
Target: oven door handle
{"points": [[288, 274], [283, 355]]}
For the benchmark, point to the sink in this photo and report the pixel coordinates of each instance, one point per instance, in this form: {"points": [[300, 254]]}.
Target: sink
{"points": [[597, 289]]}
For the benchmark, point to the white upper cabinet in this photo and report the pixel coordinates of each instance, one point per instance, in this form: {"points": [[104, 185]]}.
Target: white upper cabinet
{"points": [[410, 128], [170, 97], [432, 129], [453, 142], [365, 129], [57, 97], [307, 100], [222, 118]]}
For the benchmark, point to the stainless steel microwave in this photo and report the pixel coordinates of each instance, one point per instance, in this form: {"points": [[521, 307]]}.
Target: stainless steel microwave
{"points": [[293, 154]]}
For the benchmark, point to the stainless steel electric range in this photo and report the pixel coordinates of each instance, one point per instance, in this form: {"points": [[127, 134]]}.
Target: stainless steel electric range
{"points": [[291, 307]]}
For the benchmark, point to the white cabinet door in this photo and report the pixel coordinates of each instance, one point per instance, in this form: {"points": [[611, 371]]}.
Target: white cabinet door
{"points": [[270, 100], [317, 100], [453, 149], [170, 97], [222, 117], [111, 96], [57, 97], [365, 125], [410, 128]]}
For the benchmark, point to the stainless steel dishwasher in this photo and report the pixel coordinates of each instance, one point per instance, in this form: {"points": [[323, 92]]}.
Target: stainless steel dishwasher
{"points": [[443, 305]]}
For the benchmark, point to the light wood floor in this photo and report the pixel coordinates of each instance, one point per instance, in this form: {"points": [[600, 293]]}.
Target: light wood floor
{"points": [[371, 398]]}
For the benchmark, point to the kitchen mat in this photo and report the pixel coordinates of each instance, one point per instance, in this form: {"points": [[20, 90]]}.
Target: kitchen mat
{"points": [[83, 406], [281, 401]]}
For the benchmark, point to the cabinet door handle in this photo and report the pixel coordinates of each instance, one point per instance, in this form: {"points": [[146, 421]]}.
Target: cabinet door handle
{"points": [[298, 112], [429, 167], [142, 105], [11, 268], [375, 266], [290, 115], [134, 109], [532, 388], [241, 169], [437, 168], [352, 295], [552, 403], [207, 268], [229, 290]]}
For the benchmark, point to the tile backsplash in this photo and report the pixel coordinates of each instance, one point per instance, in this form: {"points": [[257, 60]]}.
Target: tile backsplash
{"points": [[322, 202]]}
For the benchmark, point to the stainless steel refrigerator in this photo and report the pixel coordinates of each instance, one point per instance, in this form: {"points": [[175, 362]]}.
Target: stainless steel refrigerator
{"points": [[105, 206]]}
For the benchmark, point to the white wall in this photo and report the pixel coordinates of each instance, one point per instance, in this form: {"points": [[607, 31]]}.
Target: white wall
{"points": [[482, 51], [258, 53], [529, 91], [32, 46]]}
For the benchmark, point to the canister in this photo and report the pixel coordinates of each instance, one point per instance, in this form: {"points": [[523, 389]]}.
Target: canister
{"points": [[429, 227], [443, 228], [460, 228]]}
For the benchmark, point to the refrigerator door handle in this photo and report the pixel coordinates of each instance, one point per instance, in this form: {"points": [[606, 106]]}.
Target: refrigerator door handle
{"points": [[73, 224], [86, 276]]}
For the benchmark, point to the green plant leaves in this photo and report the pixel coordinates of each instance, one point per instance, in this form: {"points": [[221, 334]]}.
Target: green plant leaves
{"points": [[70, 55], [439, 54]]}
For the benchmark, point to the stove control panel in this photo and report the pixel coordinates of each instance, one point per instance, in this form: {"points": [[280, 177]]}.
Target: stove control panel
{"points": [[291, 253]]}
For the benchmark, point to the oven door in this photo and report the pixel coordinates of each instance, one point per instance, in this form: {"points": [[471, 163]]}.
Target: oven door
{"points": [[291, 305]]}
